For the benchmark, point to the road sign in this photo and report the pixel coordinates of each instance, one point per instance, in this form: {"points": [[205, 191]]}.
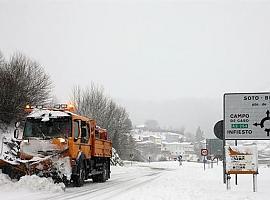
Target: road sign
{"points": [[204, 152], [247, 116], [241, 159], [215, 147], [218, 129]]}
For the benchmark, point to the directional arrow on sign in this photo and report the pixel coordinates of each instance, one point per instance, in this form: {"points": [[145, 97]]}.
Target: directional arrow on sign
{"points": [[261, 124]]}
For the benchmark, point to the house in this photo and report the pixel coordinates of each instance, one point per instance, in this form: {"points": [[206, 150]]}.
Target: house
{"points": [[149, 149], [178, 148]]}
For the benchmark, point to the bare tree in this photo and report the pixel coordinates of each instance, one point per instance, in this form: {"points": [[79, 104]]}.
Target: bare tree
{"points": [[92, 102], [23, 82]]}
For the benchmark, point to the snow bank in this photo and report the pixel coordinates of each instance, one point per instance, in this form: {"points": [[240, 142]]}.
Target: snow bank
{"points": [[35, 183], [4, 180], [115, 159], [30, 183], [191, 182], [63, 167]]}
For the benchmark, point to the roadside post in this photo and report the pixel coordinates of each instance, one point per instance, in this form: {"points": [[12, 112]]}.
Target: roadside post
{"points": [[131, 156], [228, 182], [235, 143], [212, 160], [255, 183], [219, 133], [204, 153]]}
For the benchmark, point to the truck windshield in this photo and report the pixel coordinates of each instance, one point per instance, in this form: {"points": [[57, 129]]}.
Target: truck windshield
{"points": [[55, 127]]}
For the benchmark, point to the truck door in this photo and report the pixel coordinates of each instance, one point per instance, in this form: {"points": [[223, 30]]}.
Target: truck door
{"points": [[74, 141], [85, 139]]}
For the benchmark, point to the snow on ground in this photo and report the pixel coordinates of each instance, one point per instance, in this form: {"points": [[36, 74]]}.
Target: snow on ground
{"points": [[190, 182], [149, 181], [28, 187]]}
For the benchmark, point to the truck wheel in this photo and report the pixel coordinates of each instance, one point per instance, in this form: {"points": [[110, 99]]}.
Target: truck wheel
{"points": [[101, 177], [95, 179], [104, 175], [79, 179]]}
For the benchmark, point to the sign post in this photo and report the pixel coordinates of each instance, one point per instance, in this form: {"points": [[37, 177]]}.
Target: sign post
{"points": [[242, 160], [204, 153], [212, 160], [254, 182], [235, 143]]}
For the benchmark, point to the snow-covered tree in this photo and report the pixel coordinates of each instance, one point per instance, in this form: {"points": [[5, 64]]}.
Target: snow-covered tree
{"points": [[199, 135], [198, 144], [23, 81]]}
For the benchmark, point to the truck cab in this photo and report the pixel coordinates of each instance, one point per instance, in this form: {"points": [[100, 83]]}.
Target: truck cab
{"points": [[56, 134]]}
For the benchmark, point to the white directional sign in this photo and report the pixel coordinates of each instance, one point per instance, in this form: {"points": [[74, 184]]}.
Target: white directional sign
{"points": [[247, 116]]}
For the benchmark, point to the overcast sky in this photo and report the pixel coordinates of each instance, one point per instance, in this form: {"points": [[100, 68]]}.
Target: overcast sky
{"points": [[153, 50]]}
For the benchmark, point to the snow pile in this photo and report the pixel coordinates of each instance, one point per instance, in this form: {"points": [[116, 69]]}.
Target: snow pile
{"points": [[4, 179], [35, 183], [115, 159], [63, 167], [9, 148], [30, 183]]}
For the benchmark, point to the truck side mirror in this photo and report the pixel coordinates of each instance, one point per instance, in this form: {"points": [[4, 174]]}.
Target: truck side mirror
{"points": [[16, 133], [17, 124]]}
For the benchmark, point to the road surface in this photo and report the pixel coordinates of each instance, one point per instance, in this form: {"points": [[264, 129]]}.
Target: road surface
{"points": [[144, 181], [121, 181]]}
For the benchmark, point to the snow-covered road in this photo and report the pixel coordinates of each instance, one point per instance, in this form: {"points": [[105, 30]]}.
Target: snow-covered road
{"points": [[123, 180], [154, 181]]}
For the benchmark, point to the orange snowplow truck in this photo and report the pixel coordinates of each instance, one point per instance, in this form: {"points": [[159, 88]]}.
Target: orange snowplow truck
{"points": [[66, 146]]}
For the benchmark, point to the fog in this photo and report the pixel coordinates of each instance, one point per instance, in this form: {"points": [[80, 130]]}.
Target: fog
{"points": [[169, 60]]}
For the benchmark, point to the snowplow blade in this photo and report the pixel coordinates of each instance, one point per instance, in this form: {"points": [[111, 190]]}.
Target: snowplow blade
{"points": [[15, 171], [43, 168]]}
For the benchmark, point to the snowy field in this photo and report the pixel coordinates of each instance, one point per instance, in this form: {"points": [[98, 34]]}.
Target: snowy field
{"points": [[154, 181]]}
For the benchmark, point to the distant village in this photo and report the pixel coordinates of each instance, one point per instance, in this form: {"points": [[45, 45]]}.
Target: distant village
{"points": [[162, 145]]}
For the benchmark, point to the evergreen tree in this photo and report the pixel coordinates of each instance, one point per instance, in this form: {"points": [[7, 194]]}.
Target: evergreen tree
{"points": [[198, 144]]}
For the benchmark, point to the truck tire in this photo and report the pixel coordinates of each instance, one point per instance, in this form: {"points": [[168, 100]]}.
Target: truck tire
{"points": [[95, 178], [101, 177], [104, 175], [80, 177]]}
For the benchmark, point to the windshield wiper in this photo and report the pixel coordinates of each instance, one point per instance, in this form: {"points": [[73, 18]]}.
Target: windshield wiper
{"points": [[45, 137]]}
